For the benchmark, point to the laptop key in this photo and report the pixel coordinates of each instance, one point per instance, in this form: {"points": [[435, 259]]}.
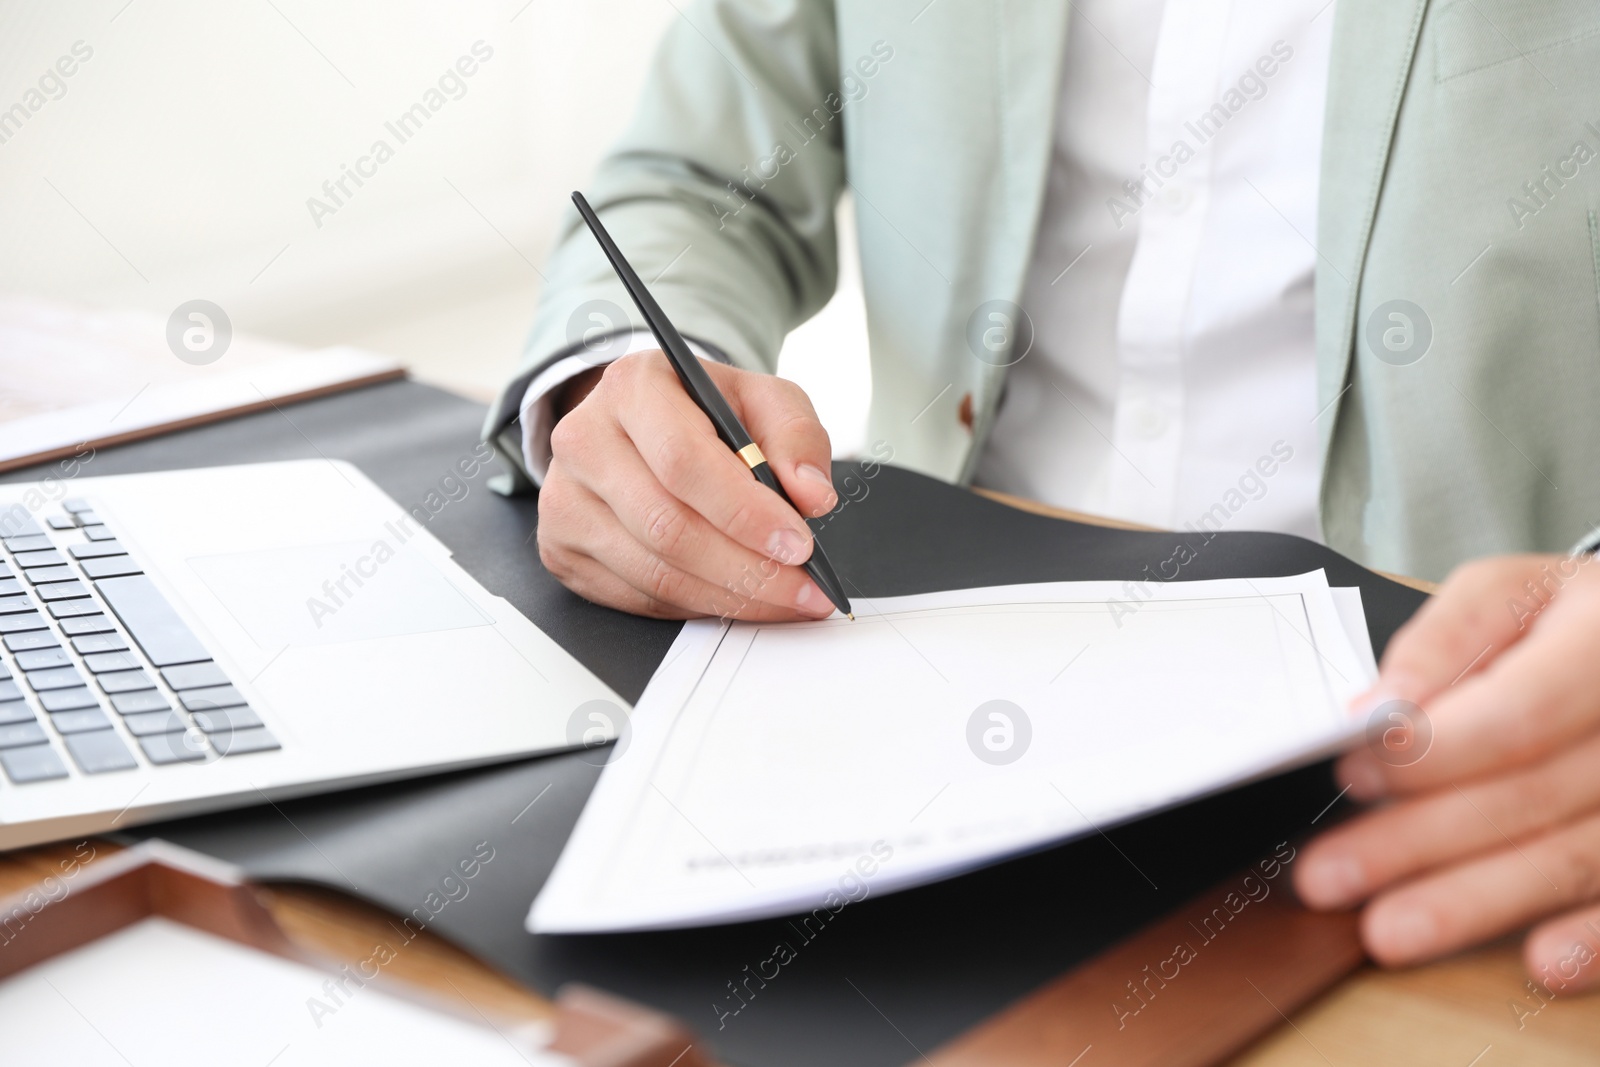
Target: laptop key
{"points": [[164, 638], [86, 518], [36, 763], [94, 549], [59, 573], [194, 675], [100, 752], [10, 587], [216, 696], [111, 567], [41, 658], [14, 711], [61, 590], [54, 678], [98, 533], [101, 662], [68, 699], [130, 703], [89, 644], [124, 681], [226, 720], [32, 620], [27, 543], [81, 721], [186, 747], [67, 609], [15, 521], [23, 642], [17, 734], [74, 504], [61, 522], [9, 690], [154, 722], [47, 558], [16, 603], [87, 624], [242, 742]]}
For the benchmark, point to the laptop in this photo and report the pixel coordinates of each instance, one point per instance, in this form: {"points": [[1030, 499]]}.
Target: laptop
{"points": [[187, 641]]}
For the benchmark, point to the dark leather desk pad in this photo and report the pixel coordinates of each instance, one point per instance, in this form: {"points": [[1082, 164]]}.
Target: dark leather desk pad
{"points": [[889, 977]]}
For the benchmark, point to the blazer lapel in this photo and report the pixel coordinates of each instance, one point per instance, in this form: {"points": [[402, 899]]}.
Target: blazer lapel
{"points": [[1030, 41], [1374, 42]]}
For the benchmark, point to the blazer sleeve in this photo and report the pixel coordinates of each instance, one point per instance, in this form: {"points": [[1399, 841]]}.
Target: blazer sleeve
{"points": [[721, 193]]}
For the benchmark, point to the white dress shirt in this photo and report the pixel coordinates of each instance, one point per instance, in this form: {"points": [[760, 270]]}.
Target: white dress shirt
{"points": [[1174, 355], [1172, 380]]}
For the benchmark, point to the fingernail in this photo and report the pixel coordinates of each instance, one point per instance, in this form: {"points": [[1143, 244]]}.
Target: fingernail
{"points": [[1364, 777], [1402, 934], [811, 601], [1334, 881], [1566, 954], [818, 475], [786, 546]]}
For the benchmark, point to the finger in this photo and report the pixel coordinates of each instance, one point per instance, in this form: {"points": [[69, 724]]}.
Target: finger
{"points": [[1349, 863], [1563, 955], [782, 421], [589, 579], [683, 452], [1539, 695], [1457, 630], [1455, 633], [608, 545], [1486, 897], [613, 477]]}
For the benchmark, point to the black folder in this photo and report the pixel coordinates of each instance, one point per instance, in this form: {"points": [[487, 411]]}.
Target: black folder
{"points": [[887, 978]]}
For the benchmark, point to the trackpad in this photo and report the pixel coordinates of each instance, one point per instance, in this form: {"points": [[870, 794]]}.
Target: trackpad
{"points": [[327, 594]]}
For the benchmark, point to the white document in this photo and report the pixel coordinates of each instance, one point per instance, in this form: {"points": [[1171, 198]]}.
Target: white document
{"points": [[777, 768]]}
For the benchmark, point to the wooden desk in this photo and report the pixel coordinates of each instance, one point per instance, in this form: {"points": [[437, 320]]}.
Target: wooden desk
{"points": [[1455, 1013]]}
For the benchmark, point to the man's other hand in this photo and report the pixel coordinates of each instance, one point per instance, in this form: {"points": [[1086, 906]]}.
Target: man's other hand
{"points": [[1496, 826]]}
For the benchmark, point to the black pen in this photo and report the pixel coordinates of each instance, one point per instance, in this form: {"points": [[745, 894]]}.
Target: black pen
{"points": [[698, 384]]}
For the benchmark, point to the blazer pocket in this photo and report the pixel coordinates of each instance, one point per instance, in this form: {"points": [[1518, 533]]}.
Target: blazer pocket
{"points": [[1475, 35]]}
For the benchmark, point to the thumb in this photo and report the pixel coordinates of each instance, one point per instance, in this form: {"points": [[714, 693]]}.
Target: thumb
{"points": [[1466, 626], [782, 421]]}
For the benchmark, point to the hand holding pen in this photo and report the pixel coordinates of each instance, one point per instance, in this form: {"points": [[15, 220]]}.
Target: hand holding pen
{"points": [[646, 509]]}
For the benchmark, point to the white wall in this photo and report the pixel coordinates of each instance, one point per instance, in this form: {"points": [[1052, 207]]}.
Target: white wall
{"points": [[177, 160]]}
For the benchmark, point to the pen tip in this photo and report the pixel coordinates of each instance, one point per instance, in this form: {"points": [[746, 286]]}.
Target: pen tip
{"points": [[850, 616]]}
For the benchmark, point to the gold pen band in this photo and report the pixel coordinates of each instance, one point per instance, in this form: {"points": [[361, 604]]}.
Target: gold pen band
{"points": [[751, 454]]}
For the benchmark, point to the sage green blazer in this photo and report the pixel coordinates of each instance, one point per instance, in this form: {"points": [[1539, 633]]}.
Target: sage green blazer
{"points": [[1458, 272]]}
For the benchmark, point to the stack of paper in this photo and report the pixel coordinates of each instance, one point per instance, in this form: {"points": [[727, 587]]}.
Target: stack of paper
{"points": [[780, 768], [72, 380]]}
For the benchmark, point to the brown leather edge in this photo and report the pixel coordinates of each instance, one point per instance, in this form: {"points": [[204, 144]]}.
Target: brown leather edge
{"points": [[600, 1030], [1187, 991]]}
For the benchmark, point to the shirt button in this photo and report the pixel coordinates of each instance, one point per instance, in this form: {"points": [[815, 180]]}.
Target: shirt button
{"points": [[1148, 421], [1177, 198]]}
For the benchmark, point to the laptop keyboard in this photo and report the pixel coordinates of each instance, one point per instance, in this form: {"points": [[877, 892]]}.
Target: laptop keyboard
{"points": [[98, 672]]}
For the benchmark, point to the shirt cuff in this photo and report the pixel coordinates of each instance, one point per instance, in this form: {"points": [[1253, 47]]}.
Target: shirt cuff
{"points": [[538, 402]]}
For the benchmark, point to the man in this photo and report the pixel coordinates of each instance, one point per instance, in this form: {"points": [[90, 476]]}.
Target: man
{"points": [[1113, 254]]}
